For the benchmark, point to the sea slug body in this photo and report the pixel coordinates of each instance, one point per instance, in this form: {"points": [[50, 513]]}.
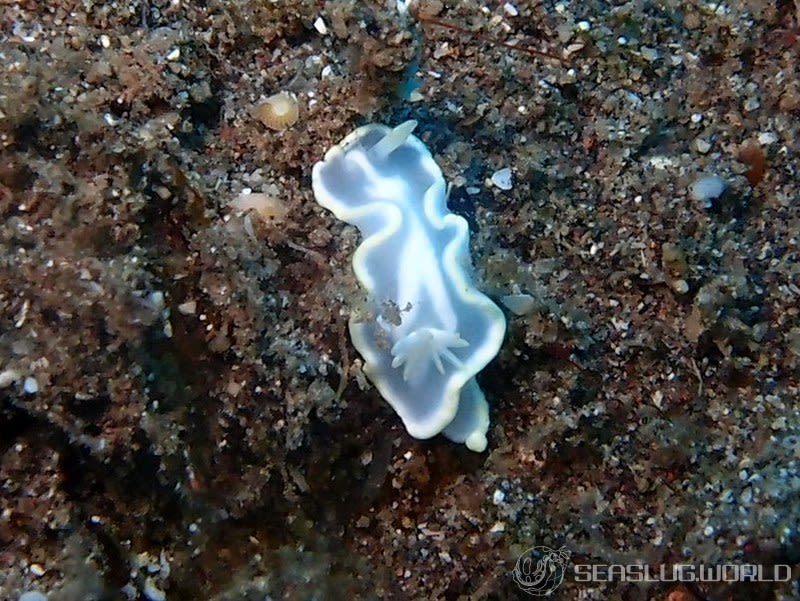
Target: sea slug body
{"points": [[414, 257]]}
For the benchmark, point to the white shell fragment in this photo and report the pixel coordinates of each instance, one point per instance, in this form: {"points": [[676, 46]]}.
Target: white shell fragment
{"points": [[707, 188], [320, 26], [268, 207], [519, 304], [423, 358], [503, 179]]}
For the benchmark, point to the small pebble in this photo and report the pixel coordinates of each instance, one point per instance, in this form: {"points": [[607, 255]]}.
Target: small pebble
{"points": [[680, 286], [31, 386], [187, 308], [767, 137], [498, 528], [751, 104], [649, 54], [152, 592], [702, 145], [32, 596]]}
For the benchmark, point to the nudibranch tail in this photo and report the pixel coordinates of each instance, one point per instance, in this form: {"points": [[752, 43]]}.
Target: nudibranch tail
{"points": [[393, 140]]}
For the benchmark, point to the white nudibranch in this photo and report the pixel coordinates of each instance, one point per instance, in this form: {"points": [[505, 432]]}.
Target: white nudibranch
{"points": [[415, 255]]}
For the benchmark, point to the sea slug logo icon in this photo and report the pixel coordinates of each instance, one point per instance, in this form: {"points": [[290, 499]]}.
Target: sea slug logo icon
{"points": [[540, 570]]}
